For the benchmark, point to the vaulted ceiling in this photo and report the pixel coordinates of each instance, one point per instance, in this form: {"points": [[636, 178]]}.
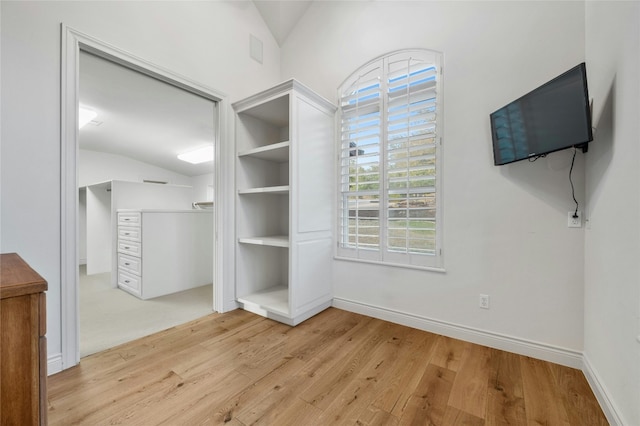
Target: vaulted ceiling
{"points": [[282, 16], [151, 121]]}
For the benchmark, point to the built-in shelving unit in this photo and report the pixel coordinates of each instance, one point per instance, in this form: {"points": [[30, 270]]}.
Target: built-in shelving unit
{"points": [[284, 185]]}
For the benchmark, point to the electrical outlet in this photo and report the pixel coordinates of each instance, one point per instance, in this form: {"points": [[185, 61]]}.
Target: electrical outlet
{"points": [[484, 301], [574, 222]]}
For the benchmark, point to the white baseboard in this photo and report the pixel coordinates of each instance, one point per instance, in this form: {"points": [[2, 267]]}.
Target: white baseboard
{"points": [[54, 364], [557, 355], [600, 391], [230, 305]]}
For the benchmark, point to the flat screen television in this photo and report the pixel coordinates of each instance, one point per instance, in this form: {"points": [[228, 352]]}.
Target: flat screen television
{"points": [[552, 117]]}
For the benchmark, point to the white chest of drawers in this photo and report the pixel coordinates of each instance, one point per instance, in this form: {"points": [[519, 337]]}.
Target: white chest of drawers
{"points": [[161, 252]]}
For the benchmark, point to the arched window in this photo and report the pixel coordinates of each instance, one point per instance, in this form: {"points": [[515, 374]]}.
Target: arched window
{"points": [[390, 160]]}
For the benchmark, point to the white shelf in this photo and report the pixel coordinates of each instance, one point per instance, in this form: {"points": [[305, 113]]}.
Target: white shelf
{"points": [[278, 152], [284, 189], [272, 240], [273, 299], [296, 189]]}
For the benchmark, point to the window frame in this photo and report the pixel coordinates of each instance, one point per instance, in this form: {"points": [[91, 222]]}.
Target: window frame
{"points": [[382, 254]]}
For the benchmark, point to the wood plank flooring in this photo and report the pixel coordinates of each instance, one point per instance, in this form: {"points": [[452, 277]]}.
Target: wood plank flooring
{"points": [[336, 368]]}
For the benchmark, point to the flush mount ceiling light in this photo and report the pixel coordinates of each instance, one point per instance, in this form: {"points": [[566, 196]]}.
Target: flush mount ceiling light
{"points": [[85, 116], [197, 156]]}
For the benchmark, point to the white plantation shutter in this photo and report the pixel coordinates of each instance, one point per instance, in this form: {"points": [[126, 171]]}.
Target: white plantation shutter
{"points": [[361, 143], [390, 114]]}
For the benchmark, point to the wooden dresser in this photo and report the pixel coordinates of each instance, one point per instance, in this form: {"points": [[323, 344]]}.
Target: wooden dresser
{"points": [[23, 345]]}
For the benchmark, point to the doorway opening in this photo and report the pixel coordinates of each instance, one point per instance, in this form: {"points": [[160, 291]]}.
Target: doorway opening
{"points": [[156, 188], [129, 159]]}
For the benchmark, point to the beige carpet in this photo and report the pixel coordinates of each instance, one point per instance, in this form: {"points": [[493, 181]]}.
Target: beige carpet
{"points": [[110, 316]]}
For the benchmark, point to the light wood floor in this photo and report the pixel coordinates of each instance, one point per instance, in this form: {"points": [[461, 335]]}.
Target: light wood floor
{"points": [[336, 368]]}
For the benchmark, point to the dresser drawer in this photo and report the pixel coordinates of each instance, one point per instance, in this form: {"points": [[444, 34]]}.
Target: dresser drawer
{"points": [[129, 282], [128, 233], [129, 218], [130, 264], [132, 248]]}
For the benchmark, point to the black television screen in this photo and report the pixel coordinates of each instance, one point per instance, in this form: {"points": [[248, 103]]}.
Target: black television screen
{"points": [[552, 117]]}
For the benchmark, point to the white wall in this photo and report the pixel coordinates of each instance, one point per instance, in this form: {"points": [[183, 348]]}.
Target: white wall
{"points": [[137, 195], [207, 42], [203, 187], [612, 240], [96, 167], [82, 226], [99, 232], [505, 228]]}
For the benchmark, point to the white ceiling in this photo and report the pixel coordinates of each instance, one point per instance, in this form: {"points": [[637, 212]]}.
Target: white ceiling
{"points": [[281, 16], [151, 121], [143, 118]]}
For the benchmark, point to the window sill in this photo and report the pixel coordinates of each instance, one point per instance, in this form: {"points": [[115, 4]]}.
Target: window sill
{"points": [[394, 265]]}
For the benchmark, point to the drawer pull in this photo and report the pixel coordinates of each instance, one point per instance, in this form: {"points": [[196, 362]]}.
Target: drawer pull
{"points": [[127, 219], [127, 281], [127, 233], [127, 247], [127, 264]]}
